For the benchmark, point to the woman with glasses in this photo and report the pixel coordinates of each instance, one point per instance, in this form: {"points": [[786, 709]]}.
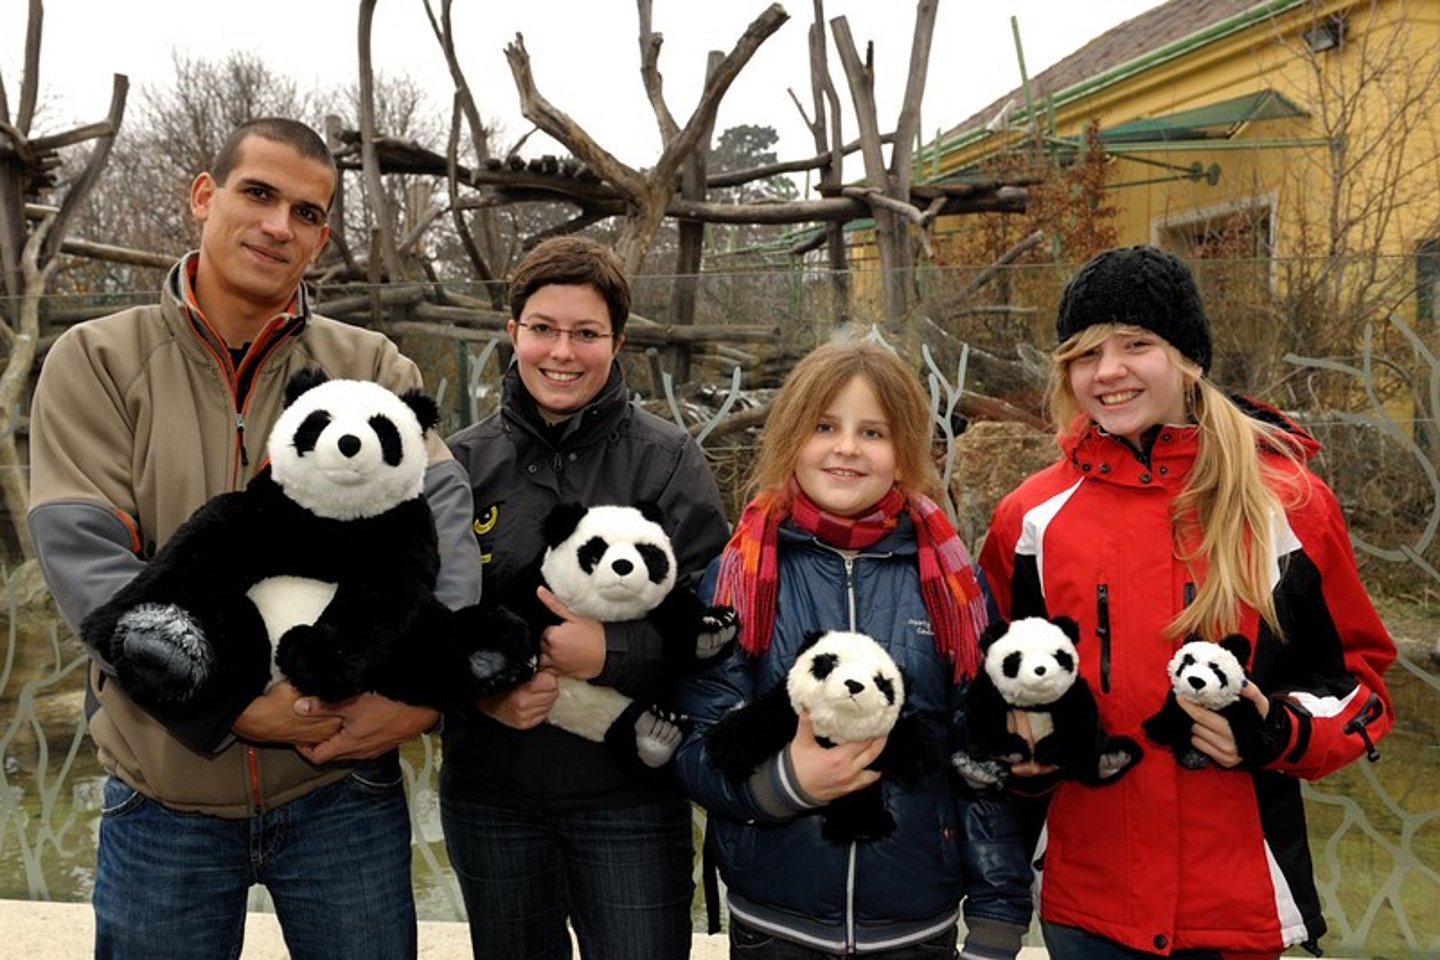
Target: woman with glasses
{"points": [[543, 826]]}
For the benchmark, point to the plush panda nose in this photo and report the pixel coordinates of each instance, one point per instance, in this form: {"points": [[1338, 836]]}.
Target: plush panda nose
{"points": [[1040, 670], [854, 686], [1196, 683], [349, 444], [622, 567]]}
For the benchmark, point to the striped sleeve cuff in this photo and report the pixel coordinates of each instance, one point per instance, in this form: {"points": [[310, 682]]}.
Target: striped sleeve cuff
{"points": [[987, 939], [776, 789]]}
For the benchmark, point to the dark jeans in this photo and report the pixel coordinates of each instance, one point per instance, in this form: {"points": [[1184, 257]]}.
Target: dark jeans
{"points": [[1072, 943], [747, 943], [336, 862], [622, 877]]}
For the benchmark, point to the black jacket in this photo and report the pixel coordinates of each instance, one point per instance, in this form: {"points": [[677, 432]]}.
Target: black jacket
{"points": [[611, 452]]}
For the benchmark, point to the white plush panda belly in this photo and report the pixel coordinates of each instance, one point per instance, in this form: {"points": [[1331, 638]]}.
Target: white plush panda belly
{"points": [[285, 601]]}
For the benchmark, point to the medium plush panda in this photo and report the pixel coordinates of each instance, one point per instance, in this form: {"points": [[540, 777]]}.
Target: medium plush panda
{"points": [[1032, 665], [853, 690], [615, 563], [1212, 676], [328, 559]]}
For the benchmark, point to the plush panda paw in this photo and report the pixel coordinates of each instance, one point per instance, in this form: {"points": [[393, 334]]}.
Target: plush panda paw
{"points": [[163, 653], [1191, 759], [494, 671], [658, 734], [979, 774], [315, 660], [718, 626], [1117, 755]]}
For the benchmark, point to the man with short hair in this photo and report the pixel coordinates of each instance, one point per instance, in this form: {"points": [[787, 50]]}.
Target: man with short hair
{"points": [[139, 418]]}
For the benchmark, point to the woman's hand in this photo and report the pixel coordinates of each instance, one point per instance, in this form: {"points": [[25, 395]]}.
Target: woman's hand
{"points": [[825, 773], [1211, 733], [575, 646], [527, 705]]}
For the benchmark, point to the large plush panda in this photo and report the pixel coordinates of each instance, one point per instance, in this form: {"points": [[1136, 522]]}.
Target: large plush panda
{"points": [[1032, 665], [1210, 675], [615, 563], [853, 690], [327, 560]]}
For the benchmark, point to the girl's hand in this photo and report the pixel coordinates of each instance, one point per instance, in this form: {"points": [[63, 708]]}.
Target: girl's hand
{"points": [[1211, 734], [825, 773], [1018, 722]]}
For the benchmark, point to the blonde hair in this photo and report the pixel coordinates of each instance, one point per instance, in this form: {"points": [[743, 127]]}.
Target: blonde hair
{"points": [[1229, 501], [814, 383]]}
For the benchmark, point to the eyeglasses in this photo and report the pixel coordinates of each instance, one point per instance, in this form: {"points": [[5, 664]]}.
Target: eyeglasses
{"points": [[549, 333]]}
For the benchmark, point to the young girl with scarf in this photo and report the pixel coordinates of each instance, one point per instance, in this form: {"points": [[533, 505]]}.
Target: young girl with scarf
{"points": [[844, 533]]}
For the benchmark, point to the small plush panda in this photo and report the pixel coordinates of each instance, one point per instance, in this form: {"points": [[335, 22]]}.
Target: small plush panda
{"points": [[326, 561], [1032, 665], [1212, 676], [853, 690], [615, 563]]}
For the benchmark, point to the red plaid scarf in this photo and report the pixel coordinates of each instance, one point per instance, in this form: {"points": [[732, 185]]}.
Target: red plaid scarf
{"points": [[748, 577]]}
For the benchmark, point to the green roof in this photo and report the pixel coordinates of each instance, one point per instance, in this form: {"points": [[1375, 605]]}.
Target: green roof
{"points": [[1216, 121]]}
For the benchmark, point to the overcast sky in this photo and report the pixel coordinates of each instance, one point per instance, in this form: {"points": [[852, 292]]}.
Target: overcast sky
{"points": [[584, 55]]}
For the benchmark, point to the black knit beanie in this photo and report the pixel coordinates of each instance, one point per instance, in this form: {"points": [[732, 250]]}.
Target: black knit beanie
{"points": [[1142, 287]]}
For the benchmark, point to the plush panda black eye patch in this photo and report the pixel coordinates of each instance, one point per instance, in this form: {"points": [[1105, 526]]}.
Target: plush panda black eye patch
{"points": [[823, 664], [1066, 661], [389, 434], [1220, 676], [309, 432], [590, 553], [1186, 662], [1010, 666], [886, 686], [655, 563]]}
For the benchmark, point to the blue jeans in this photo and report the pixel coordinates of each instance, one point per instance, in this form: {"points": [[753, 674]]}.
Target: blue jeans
{"points": [[622, 877], [1072, 943], [336, 862]]}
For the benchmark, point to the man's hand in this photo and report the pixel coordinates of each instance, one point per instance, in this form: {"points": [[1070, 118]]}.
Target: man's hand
{"points": [[271, 718], [825, 773], [1211, 733], [527, 705], [370, 725], [573, 647]]}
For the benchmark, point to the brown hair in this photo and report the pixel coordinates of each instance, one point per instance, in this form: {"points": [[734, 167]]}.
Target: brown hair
{"points": [[574, 261], [292, 133], [814, 383]]}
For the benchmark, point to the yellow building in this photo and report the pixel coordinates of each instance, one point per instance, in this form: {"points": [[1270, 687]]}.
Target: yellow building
{"points": [[1275, 130]]}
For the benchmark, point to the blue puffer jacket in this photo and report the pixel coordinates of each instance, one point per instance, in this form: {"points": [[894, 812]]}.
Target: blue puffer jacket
{"points": [[782, 876]]}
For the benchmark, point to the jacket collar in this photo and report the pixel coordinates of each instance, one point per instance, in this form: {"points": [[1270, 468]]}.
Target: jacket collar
{"points": [[601, 417]]}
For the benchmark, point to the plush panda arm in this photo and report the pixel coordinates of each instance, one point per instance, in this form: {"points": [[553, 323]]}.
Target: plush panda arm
{"points": [[986, 732], [1170, 725], [747, 736], [911, 748]]}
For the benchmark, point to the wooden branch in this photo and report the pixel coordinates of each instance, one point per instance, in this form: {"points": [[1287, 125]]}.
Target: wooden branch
{"points": [[650, 43], [716, 84], [734, 178], [113, 254], [452, 188], [1005, 259], [30, 75], [877, 199], [369, 162], [80, 189], [539, 111], [905, 127]]}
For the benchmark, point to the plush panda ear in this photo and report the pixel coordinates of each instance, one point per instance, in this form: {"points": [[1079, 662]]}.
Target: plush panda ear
{"points": [[1239, 646], [994, 632], [650, 510], [425, 409], [812, 637], [561, 521], [302, 380], [1068, 627]]}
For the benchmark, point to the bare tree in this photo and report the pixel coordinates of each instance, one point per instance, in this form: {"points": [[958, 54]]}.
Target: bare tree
{"points": [[29, 255]]}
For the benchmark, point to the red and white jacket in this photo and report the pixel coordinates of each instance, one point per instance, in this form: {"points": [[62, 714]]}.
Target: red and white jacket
{"points": [[1168, 858]]}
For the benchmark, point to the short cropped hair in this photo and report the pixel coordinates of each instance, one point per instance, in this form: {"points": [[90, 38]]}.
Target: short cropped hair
{"points": [[574, 261], [292, 133]]}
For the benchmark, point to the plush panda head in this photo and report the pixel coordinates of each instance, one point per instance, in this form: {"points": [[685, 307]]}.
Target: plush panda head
{"points": [[1210, 674], [849, 684], [347, 449], [1032, 661], [609, 562]]}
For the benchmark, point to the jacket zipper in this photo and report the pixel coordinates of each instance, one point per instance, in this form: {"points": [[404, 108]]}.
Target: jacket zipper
{"points": [[850, 589], [1102, 630], [850, 857]]}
